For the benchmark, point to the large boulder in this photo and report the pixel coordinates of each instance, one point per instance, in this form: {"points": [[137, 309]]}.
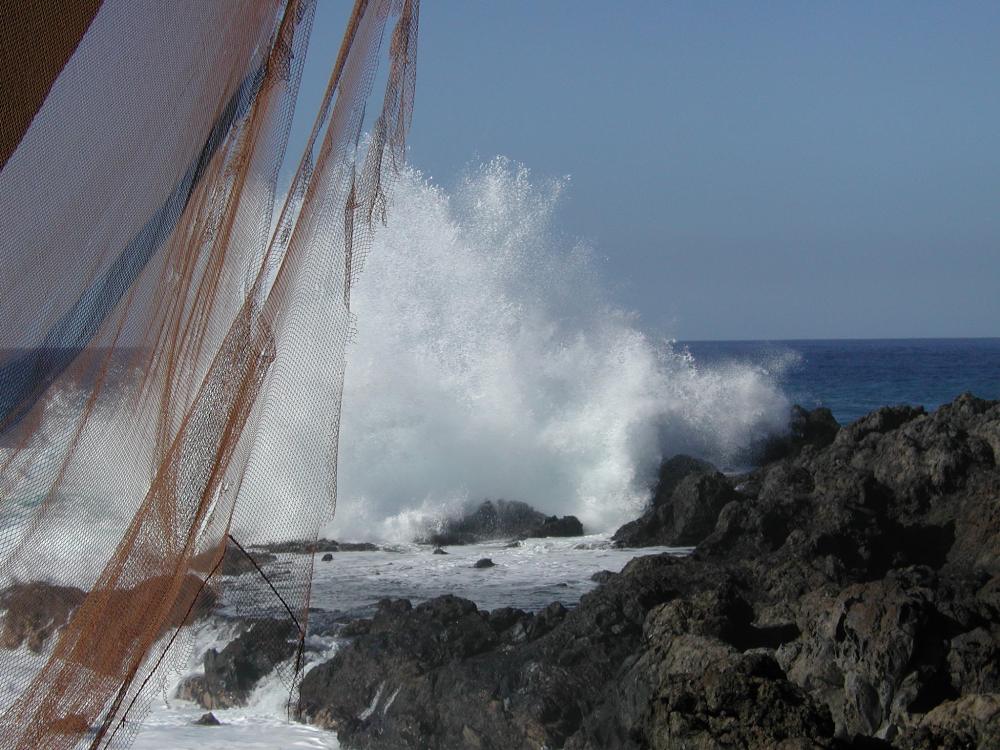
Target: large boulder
{"points": [[861, 653], [232, 674], [500, 519], [708, 697], [555, 526], [817, 428], [687, 501], [898, 487]]}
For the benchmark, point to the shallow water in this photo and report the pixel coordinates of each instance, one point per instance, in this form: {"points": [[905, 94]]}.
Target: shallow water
{"points": [[529, 576]]}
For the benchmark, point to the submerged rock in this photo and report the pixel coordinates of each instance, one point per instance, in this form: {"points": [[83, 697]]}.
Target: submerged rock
{"points": [[439, 551], [484, 563], [207, 720]]}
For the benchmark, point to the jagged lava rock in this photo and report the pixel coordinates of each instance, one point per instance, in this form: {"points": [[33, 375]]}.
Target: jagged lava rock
{"points": [[554, 526], [687, 500], [501, 519], [817, 428], [231, 675], [847, 595]]}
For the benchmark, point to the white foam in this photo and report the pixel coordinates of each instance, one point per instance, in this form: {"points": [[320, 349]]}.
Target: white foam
{"points": [[490, 362], [262, 723]]}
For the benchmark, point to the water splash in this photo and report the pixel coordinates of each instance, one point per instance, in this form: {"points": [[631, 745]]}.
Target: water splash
{"points": [[491, 361]]}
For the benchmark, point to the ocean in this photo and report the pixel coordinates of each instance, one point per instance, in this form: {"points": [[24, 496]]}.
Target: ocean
{"points": [[852, 377]]}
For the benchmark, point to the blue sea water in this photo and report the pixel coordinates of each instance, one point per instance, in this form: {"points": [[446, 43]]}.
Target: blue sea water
{"points": [[853, 377]]}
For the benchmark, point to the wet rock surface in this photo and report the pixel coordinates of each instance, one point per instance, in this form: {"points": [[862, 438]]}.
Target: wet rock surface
{"points": [[686, 504], [232, 674], [500, 519], [557, 526], [846, 594]]}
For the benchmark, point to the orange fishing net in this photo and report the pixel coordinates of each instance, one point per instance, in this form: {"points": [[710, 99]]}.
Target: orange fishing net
{"points": [[172, 345]]}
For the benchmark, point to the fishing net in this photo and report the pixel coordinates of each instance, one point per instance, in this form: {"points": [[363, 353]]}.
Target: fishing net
{"points": [[172, 332]]}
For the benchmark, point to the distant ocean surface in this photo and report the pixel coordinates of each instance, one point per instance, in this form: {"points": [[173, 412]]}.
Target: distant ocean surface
{"points": [[853, 377]]}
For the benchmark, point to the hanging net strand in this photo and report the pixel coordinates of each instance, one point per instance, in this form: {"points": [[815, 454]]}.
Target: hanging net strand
{"points": [[172, 332]]}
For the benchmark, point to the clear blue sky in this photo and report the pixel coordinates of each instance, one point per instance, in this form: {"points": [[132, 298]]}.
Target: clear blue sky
{"points": [[748, 170]]}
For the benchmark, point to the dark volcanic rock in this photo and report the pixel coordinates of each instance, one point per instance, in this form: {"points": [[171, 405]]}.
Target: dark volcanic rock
{"points": [[484, 563], [207, 720], [846, 595], [34, 611], [501, 519], [898, 487], [445, 675], [700, 694], [492, 519], [403, 643], [328, 557], [816, 428], [602, 576], [858, 645], [231, 675], [556, 526], [673, 471], [969, 722], [685, 516]]}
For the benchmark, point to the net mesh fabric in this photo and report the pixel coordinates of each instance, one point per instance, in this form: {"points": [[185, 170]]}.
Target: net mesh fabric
{"points": [[171, 358]]}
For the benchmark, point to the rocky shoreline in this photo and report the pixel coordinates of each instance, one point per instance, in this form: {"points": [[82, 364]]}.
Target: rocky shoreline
{"points": [[844, 594]]}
